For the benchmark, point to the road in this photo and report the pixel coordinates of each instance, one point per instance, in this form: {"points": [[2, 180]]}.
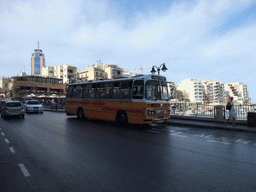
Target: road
{"points": [[55, 152]]}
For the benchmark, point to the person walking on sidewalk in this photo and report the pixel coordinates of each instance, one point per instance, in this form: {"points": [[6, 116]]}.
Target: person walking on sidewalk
{"points": [[232, 113]]}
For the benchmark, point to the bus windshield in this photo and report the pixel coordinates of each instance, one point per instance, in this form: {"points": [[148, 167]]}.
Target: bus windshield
{"points": [[156, 90]]}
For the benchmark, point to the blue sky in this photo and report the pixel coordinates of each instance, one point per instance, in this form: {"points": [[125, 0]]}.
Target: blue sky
{"points": [[207, 39]]}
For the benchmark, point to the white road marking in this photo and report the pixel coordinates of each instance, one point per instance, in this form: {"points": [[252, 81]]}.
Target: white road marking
{"points": [[7, 141], [24, 170], [12, 150], [245, 142], [3, 133], [177, 134], [219, 142]]}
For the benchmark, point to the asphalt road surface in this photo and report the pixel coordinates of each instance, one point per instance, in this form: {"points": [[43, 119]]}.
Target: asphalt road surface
{"points": [[55, 152]]}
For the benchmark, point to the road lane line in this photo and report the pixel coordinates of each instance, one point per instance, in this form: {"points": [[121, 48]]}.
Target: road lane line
{"points": [[7, 141], [219, 142], [12, 150], [3, 133], [177, 134], [24, 170]]}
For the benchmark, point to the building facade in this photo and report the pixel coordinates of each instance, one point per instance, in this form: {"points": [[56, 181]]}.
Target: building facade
{"points": [[172, 89], [99, 72], [4, 84], [214, 92], [91, 73], [193, 88], [37, 61], [66, 72], [48, 71], [21, 86], [112, 71], [239, 92]]}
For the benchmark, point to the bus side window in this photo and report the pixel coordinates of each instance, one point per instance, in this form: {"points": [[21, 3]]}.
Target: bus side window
{"points": [[109, 90], [86, 91], [92, 91], [138, 89], [77, 91], [125, 89], [70, 91], [116, 90]]}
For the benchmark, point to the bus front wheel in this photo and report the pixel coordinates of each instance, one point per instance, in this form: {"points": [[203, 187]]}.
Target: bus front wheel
{"points": [[80, 113]]}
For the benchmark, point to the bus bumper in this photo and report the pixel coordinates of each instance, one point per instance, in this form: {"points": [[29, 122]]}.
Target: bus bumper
{"points": [[157, 120]]}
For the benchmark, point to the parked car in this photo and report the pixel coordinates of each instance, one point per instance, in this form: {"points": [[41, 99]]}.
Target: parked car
{"points": [[56, 106], [12, 108], [33, 106]]}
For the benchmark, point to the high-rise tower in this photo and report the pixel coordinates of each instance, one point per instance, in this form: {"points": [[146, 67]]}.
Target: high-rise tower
{"points": [[37, 61]]}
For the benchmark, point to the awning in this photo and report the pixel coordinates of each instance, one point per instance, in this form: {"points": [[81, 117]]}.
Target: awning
{"points": [[26, 86], [56, 88], [41, 87]]}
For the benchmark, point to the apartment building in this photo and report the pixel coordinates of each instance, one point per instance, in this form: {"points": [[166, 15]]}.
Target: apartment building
{"points": [[66, 72], [48, 71], [99, 72], [112, 71], [4, 85], [214, 92], [172, 89], [194, 90], [91, 73], [239, 92]]}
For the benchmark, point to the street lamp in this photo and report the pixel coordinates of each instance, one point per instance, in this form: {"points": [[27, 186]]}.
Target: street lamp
{"points": [[153, 71]]}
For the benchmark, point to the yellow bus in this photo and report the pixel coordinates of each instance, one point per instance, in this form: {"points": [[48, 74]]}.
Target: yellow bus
{"points": [[140, 99]]}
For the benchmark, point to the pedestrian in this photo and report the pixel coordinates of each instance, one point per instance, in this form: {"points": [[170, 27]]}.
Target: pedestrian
{"points": [[232, 113]]}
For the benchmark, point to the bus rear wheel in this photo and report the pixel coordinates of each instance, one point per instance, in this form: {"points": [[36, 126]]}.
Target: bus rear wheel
{"points": [[80, 113], [122, 118]]}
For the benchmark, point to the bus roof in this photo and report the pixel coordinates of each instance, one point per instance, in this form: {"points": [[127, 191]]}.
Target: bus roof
{"points": [[125, 79]]}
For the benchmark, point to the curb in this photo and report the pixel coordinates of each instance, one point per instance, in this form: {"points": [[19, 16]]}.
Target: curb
{"points": [[197, 124]]}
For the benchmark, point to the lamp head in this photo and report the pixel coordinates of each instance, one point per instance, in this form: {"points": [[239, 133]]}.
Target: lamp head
{"points": [[153, 71], [164, 68]]}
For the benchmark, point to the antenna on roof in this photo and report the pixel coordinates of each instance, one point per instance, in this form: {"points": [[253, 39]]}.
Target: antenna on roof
{"points": [[38, 43]]}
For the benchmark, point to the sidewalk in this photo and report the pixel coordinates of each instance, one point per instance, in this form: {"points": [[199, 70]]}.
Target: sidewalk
{"points": [[210, 123]]}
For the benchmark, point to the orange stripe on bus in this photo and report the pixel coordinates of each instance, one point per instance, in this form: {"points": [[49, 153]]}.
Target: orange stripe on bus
{"points": [[134, 111], [109, 109]]}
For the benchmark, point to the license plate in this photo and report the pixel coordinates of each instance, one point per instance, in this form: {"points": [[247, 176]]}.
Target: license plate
{"points": [[160, 121]]}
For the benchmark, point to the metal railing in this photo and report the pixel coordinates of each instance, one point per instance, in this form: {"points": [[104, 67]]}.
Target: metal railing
{"points": [[198, 110]]}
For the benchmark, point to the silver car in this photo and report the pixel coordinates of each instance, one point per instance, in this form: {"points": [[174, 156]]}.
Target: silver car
{"points": [[12, 108], [32, 106]]}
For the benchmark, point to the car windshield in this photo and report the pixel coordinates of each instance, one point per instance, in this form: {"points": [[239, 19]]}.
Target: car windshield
{"points": [[13, 104], [33, 103], [156, 90]]}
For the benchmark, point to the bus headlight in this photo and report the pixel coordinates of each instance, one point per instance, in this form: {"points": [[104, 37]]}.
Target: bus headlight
{"points": [[151, 112]]}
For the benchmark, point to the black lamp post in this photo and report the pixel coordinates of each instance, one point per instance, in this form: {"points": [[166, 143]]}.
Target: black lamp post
{"points": [[153, 71]]}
